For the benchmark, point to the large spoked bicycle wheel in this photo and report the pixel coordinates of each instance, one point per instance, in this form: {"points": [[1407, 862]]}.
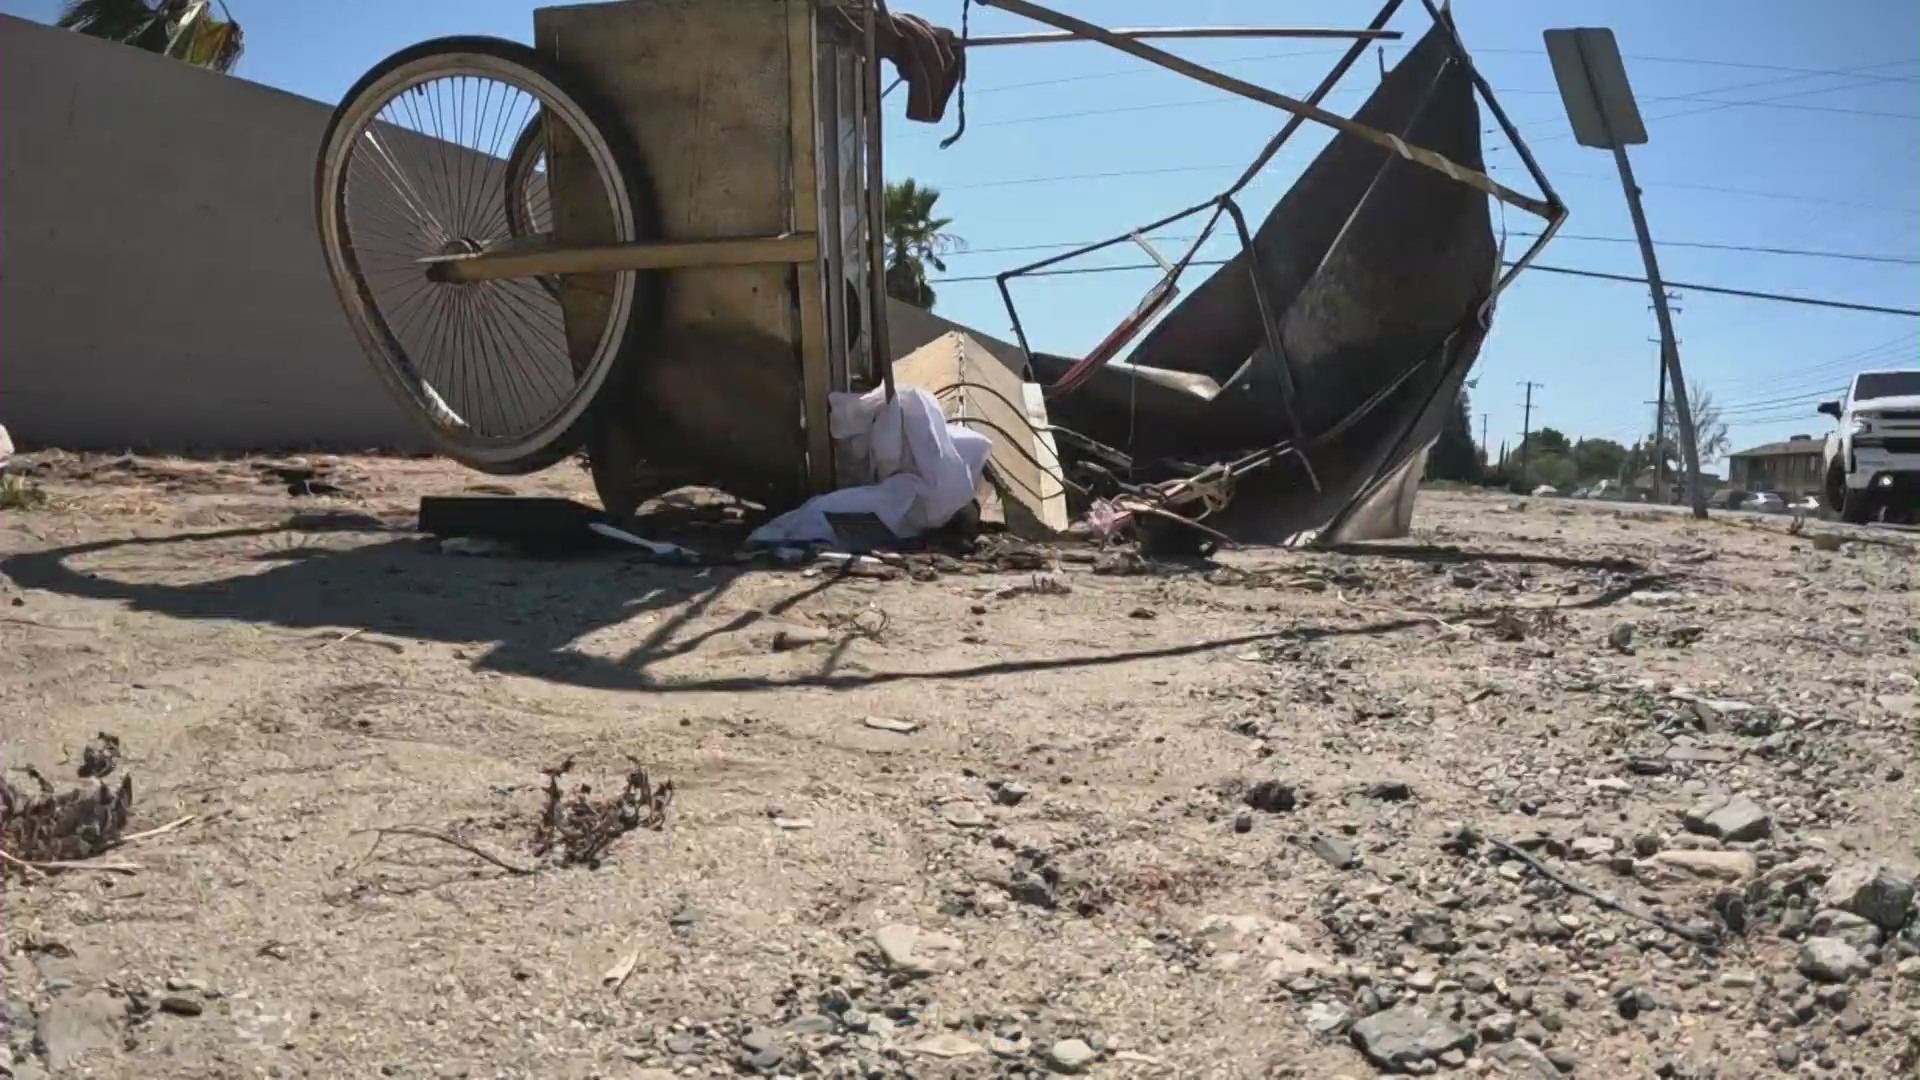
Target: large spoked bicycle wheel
{"points": [[428, 157]]}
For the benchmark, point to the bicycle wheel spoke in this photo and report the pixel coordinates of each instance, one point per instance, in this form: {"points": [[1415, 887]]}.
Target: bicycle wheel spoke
{"points": [[449, 158]]}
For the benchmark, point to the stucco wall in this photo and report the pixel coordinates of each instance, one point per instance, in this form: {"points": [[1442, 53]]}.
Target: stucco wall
{"points": [[160, 278], [161, 284]]}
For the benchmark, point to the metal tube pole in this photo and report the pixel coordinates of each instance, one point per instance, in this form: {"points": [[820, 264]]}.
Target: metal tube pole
{"points": [[1332, 79], [1669, 352], [1141, 33], [876, 213], [1421, 156]]}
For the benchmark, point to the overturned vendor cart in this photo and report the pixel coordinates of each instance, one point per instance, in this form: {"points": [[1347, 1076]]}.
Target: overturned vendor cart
{"points": [[656, 235]]}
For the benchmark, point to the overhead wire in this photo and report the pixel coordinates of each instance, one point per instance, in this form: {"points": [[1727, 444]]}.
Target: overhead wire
{"points": [[1137, 70], [1776, 102], [1784, 298], [1860, 73], [1906, 344], [1760, 249]]}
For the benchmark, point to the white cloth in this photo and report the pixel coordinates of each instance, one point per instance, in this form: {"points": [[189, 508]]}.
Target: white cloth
{"points": [[910, 468]]}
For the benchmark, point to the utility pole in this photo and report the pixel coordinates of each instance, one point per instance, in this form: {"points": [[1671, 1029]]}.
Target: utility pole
{"points": [[1483, 440], [1600, 106], [1660, 435], [1660, 415], [1526, 430]]}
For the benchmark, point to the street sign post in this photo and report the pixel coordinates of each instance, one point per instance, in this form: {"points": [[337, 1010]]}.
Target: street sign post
{"points": [[1600, 106]]}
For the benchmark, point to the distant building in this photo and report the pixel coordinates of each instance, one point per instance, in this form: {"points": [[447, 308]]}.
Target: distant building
{"points": [[1791, 468]]}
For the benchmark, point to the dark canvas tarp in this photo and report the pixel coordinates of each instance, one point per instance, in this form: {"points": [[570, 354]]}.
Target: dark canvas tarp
{"points": [[1377, 268]]}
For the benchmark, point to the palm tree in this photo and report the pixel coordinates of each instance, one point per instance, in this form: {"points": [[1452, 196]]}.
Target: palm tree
{"points": [[186, 30], [915, 240]]}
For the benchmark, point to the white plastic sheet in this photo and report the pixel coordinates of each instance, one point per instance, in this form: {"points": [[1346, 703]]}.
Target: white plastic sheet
{"points": [[911, 468]]}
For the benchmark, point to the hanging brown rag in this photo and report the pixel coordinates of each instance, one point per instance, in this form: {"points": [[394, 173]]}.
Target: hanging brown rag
{"points": [[927, 57]]}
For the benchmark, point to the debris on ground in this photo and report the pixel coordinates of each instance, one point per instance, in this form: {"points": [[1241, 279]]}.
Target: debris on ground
{"points": [[100, 756], [576, 829], [65, 827]]}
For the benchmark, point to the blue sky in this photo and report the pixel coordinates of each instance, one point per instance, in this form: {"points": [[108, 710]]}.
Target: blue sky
{"points": [[1831, 162]]}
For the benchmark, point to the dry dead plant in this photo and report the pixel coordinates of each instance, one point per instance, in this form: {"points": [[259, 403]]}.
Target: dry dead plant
{"points": [[576, 829]]}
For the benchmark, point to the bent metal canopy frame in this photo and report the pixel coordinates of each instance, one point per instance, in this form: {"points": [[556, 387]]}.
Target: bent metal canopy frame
{"points": [[1547, 206]]}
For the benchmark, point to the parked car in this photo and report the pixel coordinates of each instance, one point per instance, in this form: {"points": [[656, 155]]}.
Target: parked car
{"points": [[1806, 503], [1765, 502]]}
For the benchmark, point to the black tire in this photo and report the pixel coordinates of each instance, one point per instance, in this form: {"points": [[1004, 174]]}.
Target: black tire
{"points": [[1852, 507], [607, 377]]}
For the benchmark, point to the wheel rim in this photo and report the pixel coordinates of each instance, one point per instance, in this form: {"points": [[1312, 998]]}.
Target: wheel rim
{"points": [[529, 205], [421, 164]]}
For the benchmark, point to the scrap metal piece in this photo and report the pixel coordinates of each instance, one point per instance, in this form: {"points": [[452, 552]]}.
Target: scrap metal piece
{"points": [[1345, 326]]}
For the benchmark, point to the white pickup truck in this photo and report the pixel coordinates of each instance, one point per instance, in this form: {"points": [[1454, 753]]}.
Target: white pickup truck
{"points": [[1873, 457]]}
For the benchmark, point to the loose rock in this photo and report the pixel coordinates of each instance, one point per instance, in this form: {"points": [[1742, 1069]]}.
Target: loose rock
{"points": [[1830, 960], [1845, 925], [1271, 796], [1724, 865], [1733, 820], [915, 951], [945, 1045], [1338, 853], [1326, 1018], [1873, 893], [1431, 931], [1401, 1037], [1010, 794], [1523, 1061], [1070, 1055], [1499, 1027]]}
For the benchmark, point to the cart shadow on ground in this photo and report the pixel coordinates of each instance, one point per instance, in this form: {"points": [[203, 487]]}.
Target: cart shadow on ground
{"points": [[530, 612]]}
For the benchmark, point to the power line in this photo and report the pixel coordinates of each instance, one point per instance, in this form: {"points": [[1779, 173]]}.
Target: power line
{"points": [[1784, 298], [1772, 102], [1791, 403], [1855, 256], [1704, 62], [1862, 73], [1718, 189], [1137, 70], [1790, 417], [1825, 369], [1122, 73], [1751, 192]]}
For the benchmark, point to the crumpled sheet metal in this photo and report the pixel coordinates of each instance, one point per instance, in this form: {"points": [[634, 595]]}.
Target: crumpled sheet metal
{"points": [[1379, 269]]}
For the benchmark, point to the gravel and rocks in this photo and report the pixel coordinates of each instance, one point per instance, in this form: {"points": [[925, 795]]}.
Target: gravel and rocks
{"points": [[1253, 836]]}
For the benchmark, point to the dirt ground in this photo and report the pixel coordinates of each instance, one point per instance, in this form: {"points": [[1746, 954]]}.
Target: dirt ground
{"points": [[1246, 818]]}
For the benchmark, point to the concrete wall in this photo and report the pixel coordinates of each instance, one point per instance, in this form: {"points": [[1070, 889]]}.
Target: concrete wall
{"points": [[161, 283]]}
